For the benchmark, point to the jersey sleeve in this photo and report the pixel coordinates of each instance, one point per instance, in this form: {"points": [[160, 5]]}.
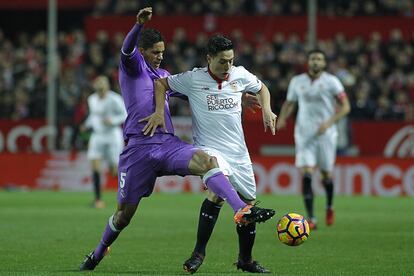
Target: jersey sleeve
{"points": [[133, 63], [181, 83], [336, 87], [250, 82], [131, 59], [178, 95], [292, 96]]}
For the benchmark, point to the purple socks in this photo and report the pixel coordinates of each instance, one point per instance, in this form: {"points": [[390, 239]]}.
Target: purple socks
{"points": [[220, 185], [109, 236]]}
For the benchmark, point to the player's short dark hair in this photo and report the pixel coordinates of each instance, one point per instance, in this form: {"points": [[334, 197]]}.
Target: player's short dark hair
{"points": [[317, 51], [149, 37], [218, 43]]}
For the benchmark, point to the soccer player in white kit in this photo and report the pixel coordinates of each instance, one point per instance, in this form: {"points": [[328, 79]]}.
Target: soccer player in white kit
{"points": [[106, 115], [215, 94], [321, 101]]}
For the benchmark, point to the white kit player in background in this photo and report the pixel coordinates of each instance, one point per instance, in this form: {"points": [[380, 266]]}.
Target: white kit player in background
{"points": [[215, 95], [321, 101], [106, 115]]}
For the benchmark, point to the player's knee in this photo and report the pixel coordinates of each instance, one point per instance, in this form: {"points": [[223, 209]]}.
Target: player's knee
{"points": [[214, 198], [326, 176], [207, 163], [201, 163], [121, 219], [114, 170]]}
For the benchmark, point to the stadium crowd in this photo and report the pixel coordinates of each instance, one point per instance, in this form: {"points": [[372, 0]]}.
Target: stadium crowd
{"points": [[378, 75], [258, 7], [376, 72]]}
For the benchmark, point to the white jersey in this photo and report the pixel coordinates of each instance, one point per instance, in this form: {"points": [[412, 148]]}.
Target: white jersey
{"points": [[110, 107], [216, 108], [316, 104]]}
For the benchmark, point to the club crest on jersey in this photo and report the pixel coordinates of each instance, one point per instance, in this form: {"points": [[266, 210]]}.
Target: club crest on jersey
{"points": [[233, 85]]}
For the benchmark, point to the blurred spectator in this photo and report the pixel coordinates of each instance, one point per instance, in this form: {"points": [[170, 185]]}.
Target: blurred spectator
{"points": [[383, 110], [402, 107], [362, 106], [367, 72], [377, 72], [258, 7]]}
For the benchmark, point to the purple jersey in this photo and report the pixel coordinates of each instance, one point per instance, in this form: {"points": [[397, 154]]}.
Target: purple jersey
{"points": [[145, 157], [136, 79]]}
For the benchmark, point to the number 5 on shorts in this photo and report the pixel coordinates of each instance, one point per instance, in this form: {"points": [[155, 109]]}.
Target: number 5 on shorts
{"points": [[122, 180]]}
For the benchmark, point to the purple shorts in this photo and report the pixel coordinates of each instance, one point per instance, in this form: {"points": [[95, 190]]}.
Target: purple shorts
{"points": [[141, 164]]}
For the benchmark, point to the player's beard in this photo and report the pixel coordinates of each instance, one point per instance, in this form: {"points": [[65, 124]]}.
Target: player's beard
{"points": [[315, 70]]}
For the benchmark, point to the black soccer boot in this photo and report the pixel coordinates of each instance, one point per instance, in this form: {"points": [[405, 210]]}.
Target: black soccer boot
{"points": [[89, 263], [252, 267], [193, 263], [252, 213]]}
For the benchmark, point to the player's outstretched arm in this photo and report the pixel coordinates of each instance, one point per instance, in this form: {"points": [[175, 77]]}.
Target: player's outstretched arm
{"points": [[269, 118], [157, 118]]}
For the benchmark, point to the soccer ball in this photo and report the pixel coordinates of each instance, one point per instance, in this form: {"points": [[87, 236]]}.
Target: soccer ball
{"points": [[293, 229]]}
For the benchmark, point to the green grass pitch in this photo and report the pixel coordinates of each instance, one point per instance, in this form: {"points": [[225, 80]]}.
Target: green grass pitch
{"points": [[48, 233]]}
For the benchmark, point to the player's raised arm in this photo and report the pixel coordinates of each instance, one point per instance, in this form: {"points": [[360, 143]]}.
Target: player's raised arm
{"points": [[157, 118], [131, 39], [269, 118], [129, 46]]}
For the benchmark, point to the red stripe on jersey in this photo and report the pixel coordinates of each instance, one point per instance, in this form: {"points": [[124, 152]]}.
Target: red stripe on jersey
{"points": [[218, 80], [341, 96]]}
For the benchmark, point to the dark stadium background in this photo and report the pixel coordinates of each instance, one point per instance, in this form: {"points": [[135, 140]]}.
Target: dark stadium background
{"points": [[370, 47]]}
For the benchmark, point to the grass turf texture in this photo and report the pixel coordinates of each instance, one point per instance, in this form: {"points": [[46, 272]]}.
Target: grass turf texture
{"points": [[48, 233]]}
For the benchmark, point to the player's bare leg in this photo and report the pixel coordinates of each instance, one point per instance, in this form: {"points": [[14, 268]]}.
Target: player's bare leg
{"points": [[307, 191], [113, 169], [117, 222], [329, 188]]}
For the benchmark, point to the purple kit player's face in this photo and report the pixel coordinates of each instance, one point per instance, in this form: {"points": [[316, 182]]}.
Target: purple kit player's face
{"points": [[154, 55], [221, 63], [316, 63]]}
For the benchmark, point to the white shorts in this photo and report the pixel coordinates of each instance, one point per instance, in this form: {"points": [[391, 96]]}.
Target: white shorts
{"points": [[240, 174], [105, 148], [319, 151]]}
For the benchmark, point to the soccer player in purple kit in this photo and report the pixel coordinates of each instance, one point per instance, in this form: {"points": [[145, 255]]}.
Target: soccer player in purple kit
{"points": [[144, 158]]}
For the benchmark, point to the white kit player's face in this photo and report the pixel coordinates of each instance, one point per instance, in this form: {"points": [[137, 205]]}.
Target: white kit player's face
{"points": [[221, 63], [316, 63], [101, 85], [154, 55]]}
